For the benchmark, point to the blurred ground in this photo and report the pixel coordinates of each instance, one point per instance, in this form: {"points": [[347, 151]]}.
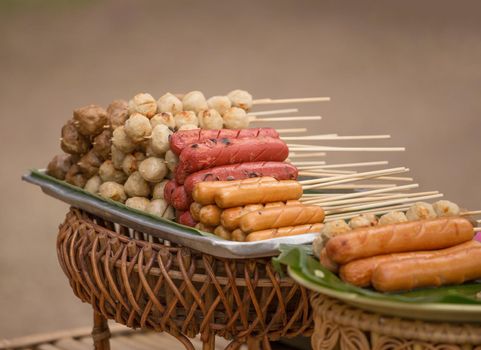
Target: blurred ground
{"points": [[411, 69]]}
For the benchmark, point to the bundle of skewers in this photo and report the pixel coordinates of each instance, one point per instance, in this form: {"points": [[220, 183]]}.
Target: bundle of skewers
{"points": [[160, 156]]}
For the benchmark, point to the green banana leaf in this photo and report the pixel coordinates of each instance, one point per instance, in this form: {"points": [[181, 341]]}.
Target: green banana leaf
{"points": [[123, 207], [300, 260]]}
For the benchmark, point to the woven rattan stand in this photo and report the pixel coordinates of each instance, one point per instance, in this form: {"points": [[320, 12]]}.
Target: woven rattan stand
{"points": [[340, 326], [143, 282]]}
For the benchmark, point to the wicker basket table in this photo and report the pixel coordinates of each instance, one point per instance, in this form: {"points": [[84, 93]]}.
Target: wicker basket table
{"points": [[144, 282], [340, 326]]}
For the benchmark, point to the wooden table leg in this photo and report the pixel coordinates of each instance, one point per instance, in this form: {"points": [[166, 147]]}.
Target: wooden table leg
{"points": [[101, 332]]}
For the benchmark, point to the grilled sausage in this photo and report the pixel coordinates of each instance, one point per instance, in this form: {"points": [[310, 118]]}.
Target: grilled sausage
{"points": [[184, 218], [209, 215], [230, 218], [179, 199], [205, 192], [447, 266], [212, 153], [182, 139], [359, 272], [222, 232], [281, 216], [282, 232], [169, 190], [277, 170], [401, 237], [263, 192]]}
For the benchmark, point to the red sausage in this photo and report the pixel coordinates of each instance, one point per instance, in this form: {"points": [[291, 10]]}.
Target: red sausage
{"points": [[184, 138], [212, 153], [185, 218], [277, 170], [179, 199], [169, 190]]}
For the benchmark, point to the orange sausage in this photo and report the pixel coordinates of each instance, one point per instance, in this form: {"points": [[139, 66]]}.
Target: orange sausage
{"points": [[195, 210], [209, 215], [291, 215], [359, 272], [205, 192], [283, 232], [200, 226], [397, 238], [328, 263], [448, 266], [230, 218], [222, 232], [262, 192]]}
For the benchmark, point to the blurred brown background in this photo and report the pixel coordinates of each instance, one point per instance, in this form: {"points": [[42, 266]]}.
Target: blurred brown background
{"points": [[410, 68]]}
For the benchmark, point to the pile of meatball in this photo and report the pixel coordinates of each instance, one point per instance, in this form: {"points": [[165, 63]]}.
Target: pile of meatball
{"points": [[122, 153]]}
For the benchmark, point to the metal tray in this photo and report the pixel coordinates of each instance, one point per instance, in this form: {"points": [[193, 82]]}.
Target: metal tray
{"points": [[158, 227]]}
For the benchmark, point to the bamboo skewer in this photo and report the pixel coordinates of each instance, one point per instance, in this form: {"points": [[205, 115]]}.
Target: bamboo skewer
{"points": [[474, 212], [291, 130], [380, 204], [377, 211], [368, 193], [266, 101], [284, 119], [343, 203], [276, 111], [322, 137], [327, 184], [306, 148], [357, 187], [477, 229], [307, 155], [345, 165], [333, 173], [356, 175], [309, 162]]}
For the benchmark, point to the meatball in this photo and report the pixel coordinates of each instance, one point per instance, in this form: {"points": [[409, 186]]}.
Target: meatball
{"points": [[157, 207], [90, 120], [194, 101], [185, 117], [113, 191], [139, 203], [171, 160], [241, 99], [159, 143], [164, 118], [59, 166], [169, 213], [103, 143], [117, 113], [334, 228], [122, 141], [169, 103], [158, 190], [138, 127], [93, 184], [72, 141], [188, 127], [210, 119], [131, 162], [220, 103], [136, 186], [446, 208], [392, 217], [153, 169], [74, 176], [143, 103], [363, 220], [89, 164], [236, 118], [421, 211], [108, 173], [117, 157]]}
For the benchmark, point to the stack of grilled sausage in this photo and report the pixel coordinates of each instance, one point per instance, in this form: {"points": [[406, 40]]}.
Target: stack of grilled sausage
{"points": [[253, 209], [429, 251]]}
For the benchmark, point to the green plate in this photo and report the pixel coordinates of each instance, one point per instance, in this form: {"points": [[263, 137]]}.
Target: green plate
{"points": [[451, 303]]}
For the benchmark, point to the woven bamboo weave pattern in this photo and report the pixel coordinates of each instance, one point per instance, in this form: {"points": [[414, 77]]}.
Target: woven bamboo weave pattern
{"points": [[338, 325], [144, 282]]}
